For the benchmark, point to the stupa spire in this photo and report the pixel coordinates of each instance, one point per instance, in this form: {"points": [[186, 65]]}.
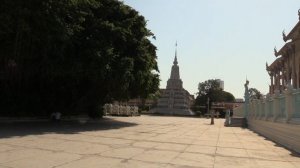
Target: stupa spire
{"points": [[175, 100], [175, 59], [175, 67]]}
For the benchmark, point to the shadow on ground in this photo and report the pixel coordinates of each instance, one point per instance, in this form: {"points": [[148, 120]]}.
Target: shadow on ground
{"points": [[293, 153], [63, 127]]}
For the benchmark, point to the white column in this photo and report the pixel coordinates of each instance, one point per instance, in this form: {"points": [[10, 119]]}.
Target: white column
{"points": [[272, 84]]}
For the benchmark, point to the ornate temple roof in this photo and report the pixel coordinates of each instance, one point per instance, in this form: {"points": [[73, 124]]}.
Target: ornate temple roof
{"points": [[284, 49], [293, 33], [277, 63]]}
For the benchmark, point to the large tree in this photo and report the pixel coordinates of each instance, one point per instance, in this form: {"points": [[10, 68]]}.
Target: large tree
{"points": [[211, 89], [255, 94], [72, 56]]}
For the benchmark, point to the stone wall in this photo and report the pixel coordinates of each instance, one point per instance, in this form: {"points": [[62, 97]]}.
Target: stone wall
{"points": [[276, 117]]}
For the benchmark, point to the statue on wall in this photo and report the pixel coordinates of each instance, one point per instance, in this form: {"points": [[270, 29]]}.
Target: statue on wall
{"points": [[246, 96], [246, 91]]}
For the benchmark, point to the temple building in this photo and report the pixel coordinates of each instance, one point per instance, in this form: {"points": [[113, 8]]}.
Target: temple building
{"points": [[174, 100], [285, 70]]}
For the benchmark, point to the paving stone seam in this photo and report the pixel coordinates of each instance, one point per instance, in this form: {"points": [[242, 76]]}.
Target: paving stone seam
{"points": [[186, 146], [99, 143], [34, 147], [5, 166], [241, 142], [95, 137], [8, 150], [218, 139], [254, 158], [62, 151], [185, 166], [15, 160], [184, 151], [115, 157], [68, 162]]}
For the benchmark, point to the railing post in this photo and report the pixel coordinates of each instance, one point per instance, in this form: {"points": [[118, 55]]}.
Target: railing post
{"points": [[246, 109], [276, 105], [263, 103], [255, 106], [249, 108], [289, 103], [267, 106], [259, 103]]}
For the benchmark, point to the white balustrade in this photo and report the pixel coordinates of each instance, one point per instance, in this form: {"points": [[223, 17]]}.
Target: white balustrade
{"points": [[281, 107], [120, 110], [276, 117]]}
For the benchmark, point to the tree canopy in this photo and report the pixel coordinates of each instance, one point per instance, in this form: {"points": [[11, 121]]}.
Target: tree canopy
{"points": [[255, 94], [211, 89], [72, 56]]}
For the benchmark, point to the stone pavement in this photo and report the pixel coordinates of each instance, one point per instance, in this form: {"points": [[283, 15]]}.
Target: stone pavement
{"points": [[146, 141]]}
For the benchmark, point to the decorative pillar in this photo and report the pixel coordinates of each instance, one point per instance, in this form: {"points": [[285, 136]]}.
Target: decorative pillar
{"points": [[275, 82], [294, 79], [297, 68], [297, 77], [280, 81], [283, 81], [272, 84]]}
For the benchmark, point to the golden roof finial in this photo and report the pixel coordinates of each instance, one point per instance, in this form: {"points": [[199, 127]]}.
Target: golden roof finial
{"points": [[275, 51], [284, 36]]}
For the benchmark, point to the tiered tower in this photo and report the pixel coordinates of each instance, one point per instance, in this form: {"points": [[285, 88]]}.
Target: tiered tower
{"points": [[174, 100]]}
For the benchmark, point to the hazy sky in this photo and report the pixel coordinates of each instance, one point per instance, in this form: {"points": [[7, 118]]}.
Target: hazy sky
{"points": [[224, 39]]}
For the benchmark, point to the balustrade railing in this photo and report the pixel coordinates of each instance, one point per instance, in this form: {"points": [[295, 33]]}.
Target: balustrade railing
{"points": [[120, 110], [283, 107]]}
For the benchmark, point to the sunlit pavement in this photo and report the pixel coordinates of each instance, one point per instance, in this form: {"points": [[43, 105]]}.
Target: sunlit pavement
{"points": [[145, 141]]}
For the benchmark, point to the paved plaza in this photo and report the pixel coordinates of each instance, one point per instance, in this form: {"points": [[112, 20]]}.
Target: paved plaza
{"points": [[145, 141]]}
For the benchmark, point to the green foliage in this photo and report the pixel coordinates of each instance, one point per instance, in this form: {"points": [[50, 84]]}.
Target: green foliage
{"points": [[72, 56], [211, 89], [255, 94]]}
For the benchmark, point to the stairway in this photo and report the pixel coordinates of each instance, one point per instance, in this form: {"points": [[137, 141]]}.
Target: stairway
{"points": [[235, 122]]}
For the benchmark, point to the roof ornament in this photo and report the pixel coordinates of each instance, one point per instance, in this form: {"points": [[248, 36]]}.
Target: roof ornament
{"points": [[299, 13], [267, 65], [275, 51], [284, 36]]}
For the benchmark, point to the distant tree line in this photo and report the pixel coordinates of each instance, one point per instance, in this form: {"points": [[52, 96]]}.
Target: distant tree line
{"points": [[211, 91], [72, 56]]}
